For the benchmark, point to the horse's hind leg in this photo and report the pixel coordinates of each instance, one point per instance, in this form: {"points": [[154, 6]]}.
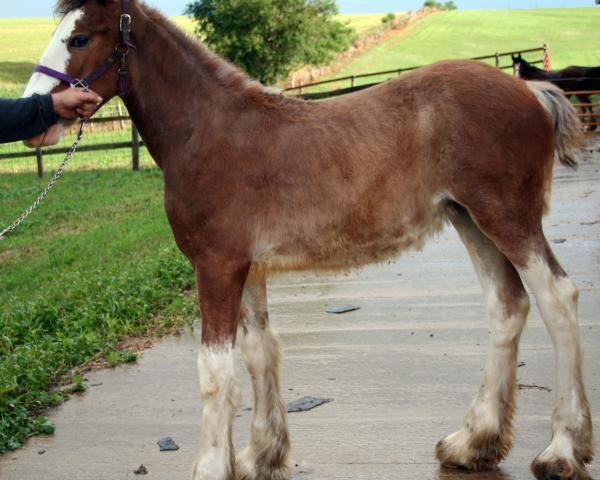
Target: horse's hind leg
{"points": [[267, 456], [556, 296], [517, 232], [486, 435]]}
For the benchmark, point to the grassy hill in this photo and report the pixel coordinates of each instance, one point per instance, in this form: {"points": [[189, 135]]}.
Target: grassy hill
{"points": [[573, 35], [363, 22]]}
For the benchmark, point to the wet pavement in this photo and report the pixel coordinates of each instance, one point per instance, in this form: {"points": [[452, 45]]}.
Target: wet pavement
{"points": [[401, 370]]}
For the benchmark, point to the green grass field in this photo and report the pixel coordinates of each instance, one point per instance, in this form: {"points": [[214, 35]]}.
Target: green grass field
{"points": [[573, 36]]}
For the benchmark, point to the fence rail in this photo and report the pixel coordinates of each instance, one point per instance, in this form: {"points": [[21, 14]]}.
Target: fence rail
{"points": [[301, 88], [586, 114], [134, 145]]}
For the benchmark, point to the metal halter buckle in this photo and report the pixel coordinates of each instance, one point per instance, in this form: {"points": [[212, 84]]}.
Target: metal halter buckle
{"points": [[125, 23], [77, 83]]}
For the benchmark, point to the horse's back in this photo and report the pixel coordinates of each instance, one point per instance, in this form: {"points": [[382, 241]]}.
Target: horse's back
{"points": [[477, 116], [455, 130]]}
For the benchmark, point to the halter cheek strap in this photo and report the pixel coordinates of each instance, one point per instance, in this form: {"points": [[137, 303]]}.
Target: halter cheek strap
{"points": [[119, 55]]}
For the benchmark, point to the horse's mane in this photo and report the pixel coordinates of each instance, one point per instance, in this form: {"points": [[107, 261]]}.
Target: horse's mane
{"points": [[226, 73]]}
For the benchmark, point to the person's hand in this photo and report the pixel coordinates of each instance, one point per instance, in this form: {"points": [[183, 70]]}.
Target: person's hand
{"points": [[75, 102], [49, 137]]}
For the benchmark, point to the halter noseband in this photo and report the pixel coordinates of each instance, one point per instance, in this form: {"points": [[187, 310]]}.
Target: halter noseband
{"points": [[119, 55]]}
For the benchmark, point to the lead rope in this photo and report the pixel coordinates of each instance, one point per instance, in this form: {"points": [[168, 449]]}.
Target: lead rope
{"points": [[61, 169]]}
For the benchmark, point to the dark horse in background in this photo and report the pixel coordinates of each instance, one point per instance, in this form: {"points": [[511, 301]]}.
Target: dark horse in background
{"points": [[570, 79]]}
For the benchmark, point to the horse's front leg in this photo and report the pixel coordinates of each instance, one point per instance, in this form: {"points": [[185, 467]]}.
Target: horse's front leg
{"points": [[220, 284], [267, 456]]}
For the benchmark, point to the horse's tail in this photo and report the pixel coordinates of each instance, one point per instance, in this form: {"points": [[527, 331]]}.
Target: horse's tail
{"points": [[568, 134]]}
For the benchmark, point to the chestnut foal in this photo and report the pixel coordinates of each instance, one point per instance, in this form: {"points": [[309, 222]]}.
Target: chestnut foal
{"points": [[256, 182]]}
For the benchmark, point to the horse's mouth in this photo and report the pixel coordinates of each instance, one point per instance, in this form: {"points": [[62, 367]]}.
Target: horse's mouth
{"points": [[50, 137]]}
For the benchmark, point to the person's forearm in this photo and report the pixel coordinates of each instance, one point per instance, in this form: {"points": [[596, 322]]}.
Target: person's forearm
{"points": [[26, 117]]}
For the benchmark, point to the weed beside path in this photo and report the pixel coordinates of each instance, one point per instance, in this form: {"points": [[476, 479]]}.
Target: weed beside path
{"points": [[95, 264]]}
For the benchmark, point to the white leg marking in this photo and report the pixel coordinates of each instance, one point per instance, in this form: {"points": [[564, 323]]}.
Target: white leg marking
{"points": [[490, 414], [556, 297], [56, 56], [486, 433], [219, 398]]}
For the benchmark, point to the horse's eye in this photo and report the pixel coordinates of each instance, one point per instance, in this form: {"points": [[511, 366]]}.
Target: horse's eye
{"points": [[79, 41]]}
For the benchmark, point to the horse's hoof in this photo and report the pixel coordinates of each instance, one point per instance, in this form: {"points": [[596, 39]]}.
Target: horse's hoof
{"points": [[559, 469], [246, 468], [472, 452]]}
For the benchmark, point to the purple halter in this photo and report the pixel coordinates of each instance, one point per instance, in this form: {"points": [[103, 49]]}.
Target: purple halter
{"points": [[119, 55]]}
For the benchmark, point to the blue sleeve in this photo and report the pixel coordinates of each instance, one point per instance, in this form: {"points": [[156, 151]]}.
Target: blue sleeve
{"points": [[25, 117]]}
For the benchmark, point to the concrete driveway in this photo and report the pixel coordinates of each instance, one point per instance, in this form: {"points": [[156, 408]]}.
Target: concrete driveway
{"points": [[401, 371]]}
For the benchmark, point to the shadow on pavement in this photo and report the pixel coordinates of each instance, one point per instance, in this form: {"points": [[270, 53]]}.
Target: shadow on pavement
{"points": [[450, 474]]}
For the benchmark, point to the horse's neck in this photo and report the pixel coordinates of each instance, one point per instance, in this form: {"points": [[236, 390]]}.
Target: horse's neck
{"points": [[172, 93], [532, 72]]}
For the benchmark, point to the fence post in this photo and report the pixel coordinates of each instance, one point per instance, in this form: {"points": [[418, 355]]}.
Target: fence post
{"points": [[497, 60], [40, 162], [352, 81], [121, 114], [301, 85], [135, 147]]}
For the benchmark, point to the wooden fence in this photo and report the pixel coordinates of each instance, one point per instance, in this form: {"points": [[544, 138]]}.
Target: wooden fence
{"points": [[591, 120], [497, 58], [134, 145]]}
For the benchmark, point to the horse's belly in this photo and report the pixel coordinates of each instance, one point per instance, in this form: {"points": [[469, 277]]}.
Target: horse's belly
{"points": [[337, 250]]}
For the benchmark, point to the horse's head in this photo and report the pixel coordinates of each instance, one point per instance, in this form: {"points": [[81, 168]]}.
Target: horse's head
{"points": [[517, 61], [89, 49]]}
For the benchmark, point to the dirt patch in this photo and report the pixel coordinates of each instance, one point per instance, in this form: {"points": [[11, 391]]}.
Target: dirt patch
{"points": [[14, 254], [136, 345], [6, 257]]}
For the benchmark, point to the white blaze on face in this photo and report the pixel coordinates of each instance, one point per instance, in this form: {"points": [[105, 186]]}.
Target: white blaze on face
{"points": [[56, 56]]}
